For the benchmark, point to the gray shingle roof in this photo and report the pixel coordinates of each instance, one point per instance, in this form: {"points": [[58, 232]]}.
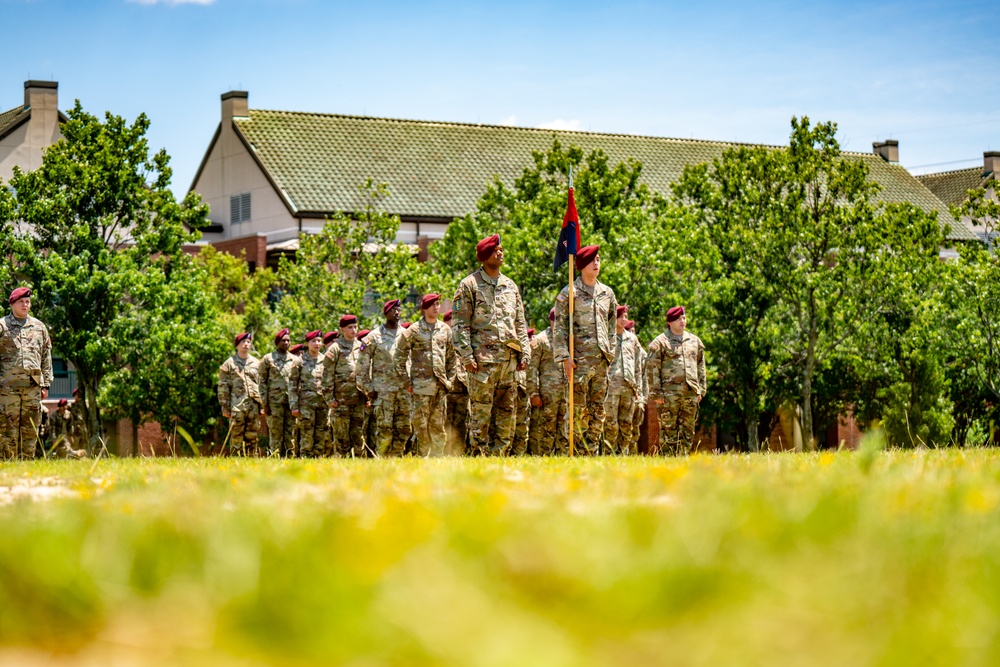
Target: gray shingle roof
{"points": [[440, 169], [6, 117]]}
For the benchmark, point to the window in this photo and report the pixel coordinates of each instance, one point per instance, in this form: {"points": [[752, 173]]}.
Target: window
{"points": [[239, 208]]}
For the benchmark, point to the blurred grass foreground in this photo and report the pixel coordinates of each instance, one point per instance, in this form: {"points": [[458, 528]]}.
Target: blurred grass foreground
{"points": [[852, 558]]}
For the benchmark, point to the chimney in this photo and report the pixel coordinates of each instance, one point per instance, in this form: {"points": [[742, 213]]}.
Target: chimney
{"points": [[41, 95], [991, 163], [888, 150], [234, 104]]}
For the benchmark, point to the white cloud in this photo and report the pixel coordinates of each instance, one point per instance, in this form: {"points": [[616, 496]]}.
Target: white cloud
{"points": [[172, 2], [560, 124], [509, 120]]}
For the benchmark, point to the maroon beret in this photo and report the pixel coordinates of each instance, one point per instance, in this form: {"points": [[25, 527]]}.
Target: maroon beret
{"points": [[242, 337], [405, 325], [390, 304], [330, 337], [364, 332], [675, 313], [281, 333], [296, 349], [586, 255], [19, 293], [630, 325], [313, 334], [531, 332], [486, 247], [63, 402], [429, 300], [552, 315], [447, 315], [348, 319], [621, 310], [76, 391]]}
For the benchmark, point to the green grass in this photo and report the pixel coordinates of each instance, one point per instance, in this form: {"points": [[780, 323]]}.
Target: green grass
{"points": [[828, 559]]}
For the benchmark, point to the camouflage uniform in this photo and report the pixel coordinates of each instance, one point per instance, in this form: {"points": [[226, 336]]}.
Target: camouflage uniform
{"points": [[25, 368], [81, 429], [239, 395], [305, 394], [593, 329], [431, 354], [457, 420], [640, 407], [624, 387], [676, 372], [522, 416], [340, 383], [61, 430], [489, 330], [547, 380], [275, 369], [378, 377]]}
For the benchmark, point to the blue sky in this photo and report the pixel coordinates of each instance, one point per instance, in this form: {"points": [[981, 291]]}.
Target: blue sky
{"points": [[925, 73]]}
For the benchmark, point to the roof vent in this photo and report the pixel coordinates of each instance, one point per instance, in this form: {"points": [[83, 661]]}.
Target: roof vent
{"points": [[991, 163], [888, 150]]}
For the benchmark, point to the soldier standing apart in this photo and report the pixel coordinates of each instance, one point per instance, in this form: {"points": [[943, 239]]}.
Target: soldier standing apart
{"points": [[624, 387], [522, 419], [61, 428], [676, 372], [593, 321], [370, 426], [383, 386], [340, 384], [491, 341], [275, 369], [25, 377], [457, 420], [639, 415], [546, 384], [428, 348], [305, 397], [239, 395]]}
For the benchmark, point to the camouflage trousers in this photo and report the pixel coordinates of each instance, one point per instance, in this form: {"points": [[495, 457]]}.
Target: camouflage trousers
{"points": [[638, 416], [392, 414], [677, 415], [312, 431], [428, 415], [492, 395], [522, 421], [281, 430], [347, 430], [371, 430], [457, 420], [619, 410], [590, 388], [20, 419], [545, 437], [243, 428]]}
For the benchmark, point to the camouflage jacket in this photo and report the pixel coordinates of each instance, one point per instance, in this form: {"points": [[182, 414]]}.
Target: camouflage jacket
{"points": [[60, 424], [644, 392], [673, 361], [625, 372], [305, 382], [340, 380], [376, 373], [593, 322], [431, 353], [275, 370], [239, 384], [488, 319], [25, 353], [545, 376]]}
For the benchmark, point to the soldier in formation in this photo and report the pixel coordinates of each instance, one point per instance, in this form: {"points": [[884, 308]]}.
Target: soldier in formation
{"points": [[491, 340], [458, 406], [344, 398], [383, 386], [239, 396], [546, 383], [425, 358], [25, 377], [61, 433], [275, 370], [305, 397], [624, 387], [676, 371]]}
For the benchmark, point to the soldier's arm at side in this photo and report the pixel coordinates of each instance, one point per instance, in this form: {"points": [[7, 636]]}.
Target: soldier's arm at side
{"points": [[364, 379], [293, 388], [653, 372], [462, 313], [450, 363], [702, 371], [224, 389], [263, 375], [330, 382], [521, 331], [400, 355], [47, 374]]}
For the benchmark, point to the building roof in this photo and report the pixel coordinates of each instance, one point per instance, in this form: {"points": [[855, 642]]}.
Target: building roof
{"points": [[10, 117], [440, 169], [951, 186]]}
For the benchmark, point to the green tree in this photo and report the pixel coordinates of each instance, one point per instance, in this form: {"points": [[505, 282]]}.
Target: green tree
{"points": [[351, 266], [100, 221]]}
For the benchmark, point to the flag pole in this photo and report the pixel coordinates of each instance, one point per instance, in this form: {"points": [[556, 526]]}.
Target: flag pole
{"points": [[572, 263]]}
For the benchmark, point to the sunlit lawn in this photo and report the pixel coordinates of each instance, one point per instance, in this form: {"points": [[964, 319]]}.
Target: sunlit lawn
{"points": [[860, 558]]}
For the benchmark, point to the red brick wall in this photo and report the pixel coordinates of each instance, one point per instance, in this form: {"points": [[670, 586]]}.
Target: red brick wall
{"points": [[151, 441], [254, 246]]}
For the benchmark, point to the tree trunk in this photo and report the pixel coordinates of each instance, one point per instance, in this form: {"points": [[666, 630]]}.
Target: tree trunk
{"points": [[753, 441]]}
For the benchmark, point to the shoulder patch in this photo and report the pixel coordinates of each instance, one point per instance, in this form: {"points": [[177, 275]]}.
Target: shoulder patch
{"points": [[561, 297]]}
